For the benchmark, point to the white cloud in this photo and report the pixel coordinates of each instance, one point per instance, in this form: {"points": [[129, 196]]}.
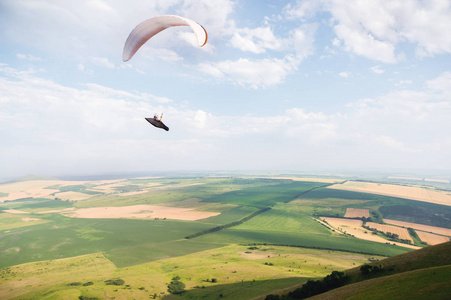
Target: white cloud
{"points": [[48, 126], [336, 42], [303, 40], [200, 118], [375, 29], [363, 43], [377, 70], [213, 15], [343, 74], [150, 53], [256, 40], [266, 72], [79, 29], [403, 83], [442, 85], [252, 73], [28, 57], [103, 62], [303, 10], [394, 144]]}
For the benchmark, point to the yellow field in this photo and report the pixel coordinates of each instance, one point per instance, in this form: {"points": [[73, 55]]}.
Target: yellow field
{"points": [[408, 192], [354, 227], [72, 196], [403, 233], [427, 228], [38, 188], [357, 213], [432, 239], [140, 212]]}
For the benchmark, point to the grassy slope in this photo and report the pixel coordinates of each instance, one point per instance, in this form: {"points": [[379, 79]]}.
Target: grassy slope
{"points": [[414, 275], [235, 268], [429, 283]]}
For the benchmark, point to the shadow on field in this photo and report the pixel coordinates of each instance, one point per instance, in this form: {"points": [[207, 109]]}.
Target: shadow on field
{"points": [[240, 290]]}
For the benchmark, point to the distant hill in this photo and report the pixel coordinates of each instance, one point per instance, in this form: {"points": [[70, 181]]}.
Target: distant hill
{"points": [[419, 274], [28, 177]]}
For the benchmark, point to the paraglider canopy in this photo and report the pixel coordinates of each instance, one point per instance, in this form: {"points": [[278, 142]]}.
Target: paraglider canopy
{"points": [[147, 29]]}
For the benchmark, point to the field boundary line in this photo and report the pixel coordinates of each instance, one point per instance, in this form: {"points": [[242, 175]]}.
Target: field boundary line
{"points": [[308, 191], [222, 227]]}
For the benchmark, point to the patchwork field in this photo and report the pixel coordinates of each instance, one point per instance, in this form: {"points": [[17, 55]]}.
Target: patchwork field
{"points": [[354, 227], [44, 188], [408, 192], [426, 228], [401, 232], [252, 235]]}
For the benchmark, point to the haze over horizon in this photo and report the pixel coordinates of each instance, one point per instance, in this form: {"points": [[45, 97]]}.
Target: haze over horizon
{"points": [[304, 86]]}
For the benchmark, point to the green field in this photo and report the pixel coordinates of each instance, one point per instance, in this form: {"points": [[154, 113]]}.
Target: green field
{"points": [[125, 242], [250, 254]]}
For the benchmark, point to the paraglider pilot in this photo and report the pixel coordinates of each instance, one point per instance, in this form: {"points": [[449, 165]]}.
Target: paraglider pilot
{"points": [[155, 121]]}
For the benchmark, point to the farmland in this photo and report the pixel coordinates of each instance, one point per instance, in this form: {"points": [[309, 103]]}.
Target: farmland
{"points": [[354, 228], [402, 191], [401, 232], [426, 228], [251, 234], [357, 213], [431, 238]]}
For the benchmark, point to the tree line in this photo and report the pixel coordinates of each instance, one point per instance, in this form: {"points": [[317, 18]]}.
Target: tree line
{"points": [[222, 227]]}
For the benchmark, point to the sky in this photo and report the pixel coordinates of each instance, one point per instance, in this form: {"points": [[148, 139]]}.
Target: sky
{"points": [[281, 86]]}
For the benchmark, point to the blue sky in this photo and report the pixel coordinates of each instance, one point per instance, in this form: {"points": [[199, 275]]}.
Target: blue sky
{"points": [[299, 86]]}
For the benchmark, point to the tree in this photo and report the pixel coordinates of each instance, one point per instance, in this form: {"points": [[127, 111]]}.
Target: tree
{"points": [[176, 286]]}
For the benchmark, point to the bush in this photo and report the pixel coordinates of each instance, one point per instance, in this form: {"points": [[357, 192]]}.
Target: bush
{"points": [[315, 287], [117, 281], [369, 269]]}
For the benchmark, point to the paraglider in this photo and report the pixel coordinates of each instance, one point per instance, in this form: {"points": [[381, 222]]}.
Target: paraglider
{"points": [[155, 121], [147, 29]]}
